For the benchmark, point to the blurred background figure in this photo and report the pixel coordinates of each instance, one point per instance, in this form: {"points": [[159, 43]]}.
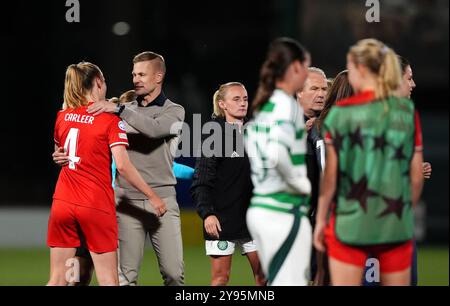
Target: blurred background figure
{"points": [[370, 136], [276, 142]]}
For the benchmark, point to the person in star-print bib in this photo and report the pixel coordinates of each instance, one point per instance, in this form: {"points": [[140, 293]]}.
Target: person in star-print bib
{"points": [[373, 172]]}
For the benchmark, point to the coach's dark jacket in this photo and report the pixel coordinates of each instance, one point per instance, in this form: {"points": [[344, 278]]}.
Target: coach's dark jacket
{"points": [[314, 167], [222, 184]]}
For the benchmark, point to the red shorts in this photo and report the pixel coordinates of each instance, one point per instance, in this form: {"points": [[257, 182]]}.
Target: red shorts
{"points": [[392, 257], [69, 222]]}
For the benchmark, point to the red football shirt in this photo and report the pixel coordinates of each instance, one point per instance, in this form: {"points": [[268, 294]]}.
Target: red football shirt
{"points": [[87, 140]]}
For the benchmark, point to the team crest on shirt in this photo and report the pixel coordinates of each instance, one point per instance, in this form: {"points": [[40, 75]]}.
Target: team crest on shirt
{"points": [[122, 125], [222, 245]]}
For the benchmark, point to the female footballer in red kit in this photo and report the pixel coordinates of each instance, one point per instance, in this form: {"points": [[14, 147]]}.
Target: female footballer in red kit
{"points": [[83, 203]]}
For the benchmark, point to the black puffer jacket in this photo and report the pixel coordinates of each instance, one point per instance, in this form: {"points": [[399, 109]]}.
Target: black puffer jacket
{"points": [[222, 184]]}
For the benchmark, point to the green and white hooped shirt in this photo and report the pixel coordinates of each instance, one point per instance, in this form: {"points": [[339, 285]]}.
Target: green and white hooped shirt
{"points": [[276, 145]]}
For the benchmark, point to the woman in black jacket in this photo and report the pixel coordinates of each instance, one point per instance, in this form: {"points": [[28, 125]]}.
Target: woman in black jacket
{"points": [[222, 186]]}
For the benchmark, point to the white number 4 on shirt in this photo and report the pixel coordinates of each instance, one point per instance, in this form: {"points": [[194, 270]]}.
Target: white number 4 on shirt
{"points": [[71, 147]]}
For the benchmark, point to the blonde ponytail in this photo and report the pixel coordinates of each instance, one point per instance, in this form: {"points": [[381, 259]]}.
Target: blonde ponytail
{"points": [[79, 81], [390, 76], [382, 62], [219, 95]]}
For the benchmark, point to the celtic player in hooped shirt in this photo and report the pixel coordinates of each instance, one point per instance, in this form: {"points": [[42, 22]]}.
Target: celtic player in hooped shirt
{"points": [[276, 143]]}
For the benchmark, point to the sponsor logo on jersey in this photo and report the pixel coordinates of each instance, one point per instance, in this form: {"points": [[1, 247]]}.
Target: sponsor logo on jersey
{"points": [[122, 126], [235, 154], [222, 245], [123, 136]]}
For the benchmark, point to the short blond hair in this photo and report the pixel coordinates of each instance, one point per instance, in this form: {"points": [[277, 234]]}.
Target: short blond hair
{"points": [[151, 56]]}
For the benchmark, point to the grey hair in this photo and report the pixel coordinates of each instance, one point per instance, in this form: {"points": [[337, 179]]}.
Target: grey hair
{"points": [[317, 70]]}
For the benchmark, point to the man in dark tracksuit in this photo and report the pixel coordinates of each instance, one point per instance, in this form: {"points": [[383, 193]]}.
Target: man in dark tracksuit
{"points": [[312, 99]]}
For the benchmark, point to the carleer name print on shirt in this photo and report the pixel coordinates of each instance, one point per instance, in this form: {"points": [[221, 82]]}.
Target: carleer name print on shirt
{"points": [[79, 118]]}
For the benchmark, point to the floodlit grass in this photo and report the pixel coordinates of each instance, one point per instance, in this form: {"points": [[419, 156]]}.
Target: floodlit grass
{"points": [[21, 267]]}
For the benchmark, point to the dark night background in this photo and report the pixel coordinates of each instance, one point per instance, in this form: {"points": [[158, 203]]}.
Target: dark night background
{"points": [[205, 43]]}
